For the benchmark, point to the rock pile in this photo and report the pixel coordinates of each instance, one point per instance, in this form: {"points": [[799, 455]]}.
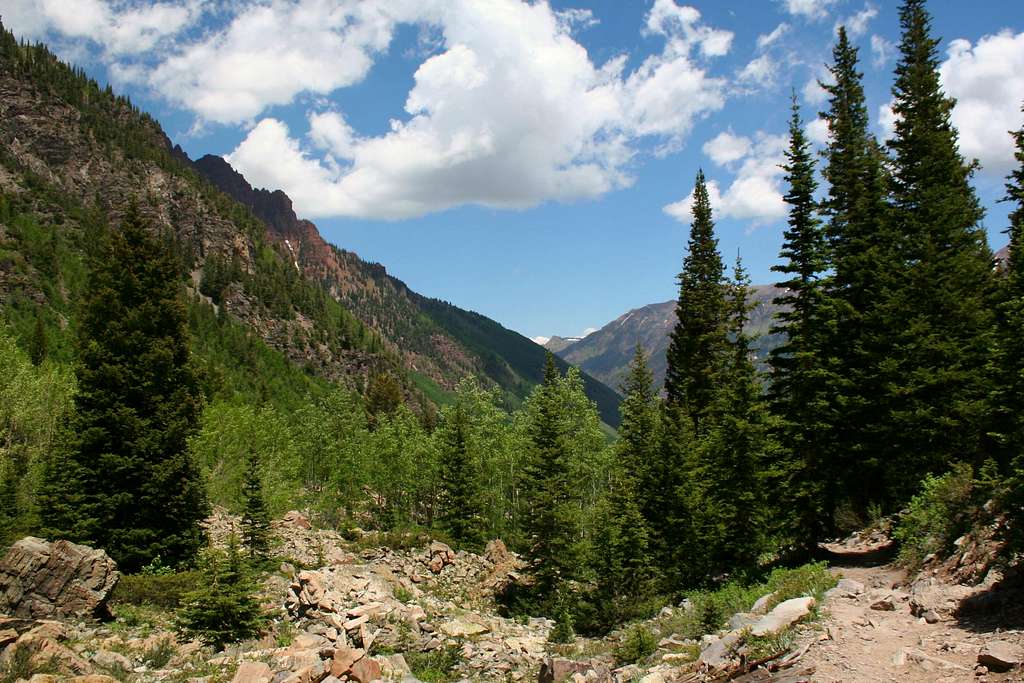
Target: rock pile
{"points": [[43, 580]]}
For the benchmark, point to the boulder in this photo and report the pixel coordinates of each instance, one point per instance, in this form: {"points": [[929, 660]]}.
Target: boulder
{"points": [[850, 587], [253, 672], [559, 670], [783, 616], [43, 580], [718, 656], [112, 661], [365, 670], [497, 552], [463, 628], [344, 658], [1000, 655], [760, 606]]}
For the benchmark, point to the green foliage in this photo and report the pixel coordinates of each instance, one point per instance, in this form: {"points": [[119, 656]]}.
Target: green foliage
{"points": [[21, 665], [34, 402], [158, 590], [637, 644], [435, 666], [939, 514], [461, 504], [138, 401], [223, 608], [255, 518], [159, 655], [563, 631], [802, 385]]}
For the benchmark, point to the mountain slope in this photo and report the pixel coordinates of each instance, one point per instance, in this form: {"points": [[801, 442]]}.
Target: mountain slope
{"points": [[436, 339], [74, 156], [605, 354]]}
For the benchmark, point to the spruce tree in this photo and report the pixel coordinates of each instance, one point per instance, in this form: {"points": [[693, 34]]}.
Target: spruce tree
{"points": [[698, 345], [39, 347], [942, 320], [801, 381], [138, 401], [725, 469], [866, 274], [461, 494], [551, 519], [625, 573], [255, 517], [224, 608]]}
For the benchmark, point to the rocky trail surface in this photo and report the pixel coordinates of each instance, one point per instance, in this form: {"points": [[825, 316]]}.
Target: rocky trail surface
{"points": [[882, 625]]}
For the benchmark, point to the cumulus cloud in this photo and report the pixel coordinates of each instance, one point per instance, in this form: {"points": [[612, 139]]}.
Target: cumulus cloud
{"points": [[857, 24], [754, 194], [817, 131], [727, 147], [540, 340], [987, 80], [809, 9], [511, 113], [120, 28]]}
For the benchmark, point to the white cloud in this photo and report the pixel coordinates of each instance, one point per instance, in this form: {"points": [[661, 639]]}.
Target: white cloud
{"points": [[857, 24], [987, 80], [119, 28], [754, 194], [540, 340], [817, 131], [510, 113], [813, 92], [727, 147], [882, 50], [809, 9], [767, 39], [886, 120], [759, 72], [589, 331]]}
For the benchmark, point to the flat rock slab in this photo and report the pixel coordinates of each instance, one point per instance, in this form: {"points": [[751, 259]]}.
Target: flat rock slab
{"points": [[43, 580], [783, 616], [462, 628], [718, 655], [999, 655]]}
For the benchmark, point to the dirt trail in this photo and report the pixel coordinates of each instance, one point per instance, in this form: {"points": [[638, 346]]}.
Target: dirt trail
{"points": [[864, 644]]}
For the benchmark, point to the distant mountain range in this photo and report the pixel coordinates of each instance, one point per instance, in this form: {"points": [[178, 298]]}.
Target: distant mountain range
{"points": [[605, 354]]}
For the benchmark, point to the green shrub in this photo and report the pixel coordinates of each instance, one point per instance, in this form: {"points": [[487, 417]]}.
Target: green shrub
{"points": [[563, 632], [936, 516], [158, 656], [437, 666], [638, 644], [159, 590], [403, 594]]}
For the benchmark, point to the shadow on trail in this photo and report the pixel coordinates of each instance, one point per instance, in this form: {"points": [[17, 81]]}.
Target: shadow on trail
{"points": [[999, 607], [873, 556]]}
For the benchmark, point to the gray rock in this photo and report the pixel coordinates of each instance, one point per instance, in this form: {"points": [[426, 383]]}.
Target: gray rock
{"points": [[1000, 655], [718, 655], [783, 616], [761, 604], [112, 661], [742, 620], [45, 580], [850, 587]]}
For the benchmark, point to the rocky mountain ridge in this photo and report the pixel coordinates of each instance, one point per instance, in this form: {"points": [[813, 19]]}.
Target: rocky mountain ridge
{"points": [[606, 353]]}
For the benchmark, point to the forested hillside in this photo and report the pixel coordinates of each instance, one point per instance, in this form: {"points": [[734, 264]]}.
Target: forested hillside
{"points": [[441, 342]]}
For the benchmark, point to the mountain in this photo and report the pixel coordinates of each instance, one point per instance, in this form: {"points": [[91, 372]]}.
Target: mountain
{"points": [[605, 354], [439, 342], [556, 344], [275, 309]]}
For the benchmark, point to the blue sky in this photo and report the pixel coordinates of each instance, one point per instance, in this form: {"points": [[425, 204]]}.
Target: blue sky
{"points": [[529, 161]]}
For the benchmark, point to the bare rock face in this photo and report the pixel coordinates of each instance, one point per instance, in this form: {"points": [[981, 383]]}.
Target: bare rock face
{"points": [[43, 580]]}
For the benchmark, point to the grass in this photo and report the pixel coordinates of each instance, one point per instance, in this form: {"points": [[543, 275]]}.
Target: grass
{"points": [[710, 609], [19, 665], [158, 590]]}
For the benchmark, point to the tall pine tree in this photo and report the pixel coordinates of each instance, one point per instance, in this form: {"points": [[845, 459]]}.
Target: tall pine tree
{"points": [[551, 519], [698, 340], [866, 274], [801, 379], [140, 494], [942, 320], [462, 498], [255, 517]]}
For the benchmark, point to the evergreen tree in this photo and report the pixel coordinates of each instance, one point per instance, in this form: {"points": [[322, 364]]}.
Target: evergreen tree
{"points": [[801, 381], [866, 273], [461, 495], [38, 344], [1008, 398], [551, 519], [223, 609], [698, 345], [138, 401], [625, 574], [724, 478], [255, 517], [942, 319]]}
